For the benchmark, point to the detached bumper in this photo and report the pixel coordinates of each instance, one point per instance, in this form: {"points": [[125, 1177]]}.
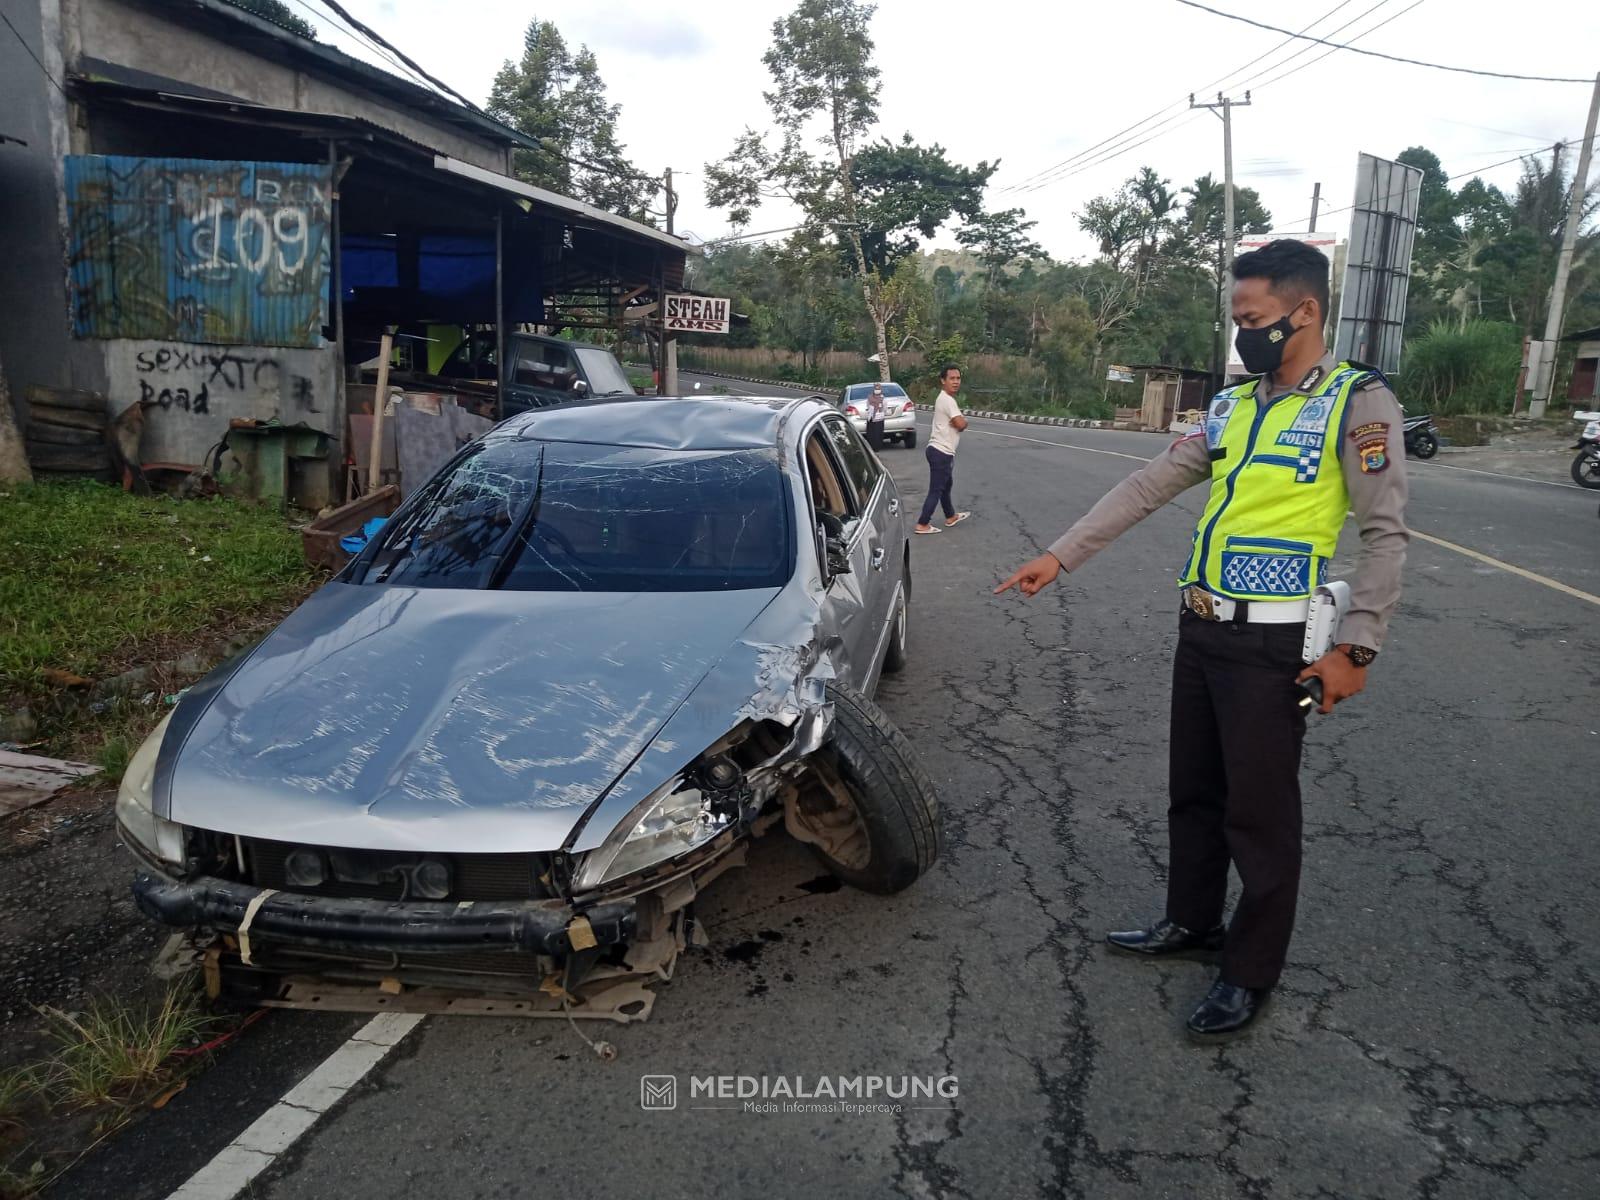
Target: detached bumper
{"points": [[417, 926]]}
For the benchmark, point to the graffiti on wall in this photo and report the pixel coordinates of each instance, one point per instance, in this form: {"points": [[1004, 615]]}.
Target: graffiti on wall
{"points": [[188, 378], [195, 251]]}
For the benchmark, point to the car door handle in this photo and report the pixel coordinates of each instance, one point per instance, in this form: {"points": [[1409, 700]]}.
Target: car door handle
{"points": [[878, 556]]}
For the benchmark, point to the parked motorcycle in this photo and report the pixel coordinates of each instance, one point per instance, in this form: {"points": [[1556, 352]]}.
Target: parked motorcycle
{"points": [[1422, 435], [1586, 467]]}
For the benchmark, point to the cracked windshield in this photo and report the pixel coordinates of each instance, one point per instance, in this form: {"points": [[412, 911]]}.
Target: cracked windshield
{"points": [[575, 517]]}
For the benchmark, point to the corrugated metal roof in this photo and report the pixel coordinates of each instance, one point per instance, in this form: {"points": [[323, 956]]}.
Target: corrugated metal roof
{"points": [[196, 250]]}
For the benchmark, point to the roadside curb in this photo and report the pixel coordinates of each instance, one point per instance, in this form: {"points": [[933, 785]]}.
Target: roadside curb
{"points": [[1029, 418]]}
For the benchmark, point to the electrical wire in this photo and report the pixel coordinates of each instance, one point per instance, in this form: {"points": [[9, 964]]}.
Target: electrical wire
{"points": [[37, 61], [1414, 62], [1326, 53], [1521, 154], [365, 44], [1250, 80], [373, 36], [1137, 128]]}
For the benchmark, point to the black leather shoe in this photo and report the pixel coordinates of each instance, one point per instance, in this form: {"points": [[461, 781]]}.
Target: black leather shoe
{"points": [[1165, 939], [1227, 1011]]}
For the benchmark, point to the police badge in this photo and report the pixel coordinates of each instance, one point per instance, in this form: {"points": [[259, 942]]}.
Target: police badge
{"points": [[1374, 457]]}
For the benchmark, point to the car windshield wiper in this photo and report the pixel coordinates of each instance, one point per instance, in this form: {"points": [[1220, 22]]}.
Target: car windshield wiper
{"points": [[404, 524], [500, 558]]}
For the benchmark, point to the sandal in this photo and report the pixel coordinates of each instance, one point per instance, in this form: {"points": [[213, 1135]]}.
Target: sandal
{"points": [[957, 519], [929, 529]]}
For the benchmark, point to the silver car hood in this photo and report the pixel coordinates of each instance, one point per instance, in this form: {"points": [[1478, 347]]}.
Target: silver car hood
{"points": [[435, 719]]}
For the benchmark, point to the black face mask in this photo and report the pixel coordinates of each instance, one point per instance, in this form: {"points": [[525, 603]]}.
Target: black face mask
{"points": [[1261, 350]]}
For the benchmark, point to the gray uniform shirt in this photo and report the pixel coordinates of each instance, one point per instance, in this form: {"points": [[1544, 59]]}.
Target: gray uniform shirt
{"points": [[1377, 488]]}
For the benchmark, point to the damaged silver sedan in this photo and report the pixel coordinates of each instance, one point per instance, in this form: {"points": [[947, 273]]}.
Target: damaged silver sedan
{"points": [[556, 694]]}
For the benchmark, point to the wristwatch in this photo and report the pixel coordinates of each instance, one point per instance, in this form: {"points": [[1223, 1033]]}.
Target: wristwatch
{"points": [[1362, 656]]}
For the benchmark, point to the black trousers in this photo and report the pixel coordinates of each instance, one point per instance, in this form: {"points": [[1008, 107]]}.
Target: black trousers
{"points": [[875, 434], [1234, 781], [941, 479]]}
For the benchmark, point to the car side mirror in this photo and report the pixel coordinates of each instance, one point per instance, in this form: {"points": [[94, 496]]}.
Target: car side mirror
{"points": [[830, 530], [579, 387]]}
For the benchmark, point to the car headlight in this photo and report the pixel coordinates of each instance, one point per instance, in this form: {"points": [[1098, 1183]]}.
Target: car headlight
{"points": [[672, 820], [160, 838]]}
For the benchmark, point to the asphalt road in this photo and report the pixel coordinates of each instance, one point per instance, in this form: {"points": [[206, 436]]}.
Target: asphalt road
{"points": [[1435, 1035]]}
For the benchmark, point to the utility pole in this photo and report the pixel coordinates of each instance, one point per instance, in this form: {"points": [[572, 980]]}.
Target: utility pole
{"points": [[1316, 201], [1558, 294], [669, 342], [1223, 106]]}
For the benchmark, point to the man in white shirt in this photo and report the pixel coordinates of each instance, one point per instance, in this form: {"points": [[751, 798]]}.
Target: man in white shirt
{"points": [[947, 426]]}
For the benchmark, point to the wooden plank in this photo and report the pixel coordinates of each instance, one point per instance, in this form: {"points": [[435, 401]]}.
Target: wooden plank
{"points": [[42, 414], [28, 779], [66, 398], [44, 457], [65, 435]]}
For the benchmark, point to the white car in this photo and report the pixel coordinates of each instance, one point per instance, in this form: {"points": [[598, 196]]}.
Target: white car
{"points": [[899, 414]]}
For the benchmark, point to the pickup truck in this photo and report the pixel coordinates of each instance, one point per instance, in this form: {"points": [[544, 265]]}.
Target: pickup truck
{"points": [[543, 370]]}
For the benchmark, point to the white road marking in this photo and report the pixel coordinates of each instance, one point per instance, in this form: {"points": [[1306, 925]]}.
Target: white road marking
{"points": [[1510, 568], [1571, 487], [1524, 573], [1062, 445], [258, 1147]]}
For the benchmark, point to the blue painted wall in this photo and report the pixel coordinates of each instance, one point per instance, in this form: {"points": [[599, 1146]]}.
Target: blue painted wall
{"points": [[192, 250]]}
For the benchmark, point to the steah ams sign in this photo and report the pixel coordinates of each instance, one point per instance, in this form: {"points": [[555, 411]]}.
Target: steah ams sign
{"points": [[697, 314]]}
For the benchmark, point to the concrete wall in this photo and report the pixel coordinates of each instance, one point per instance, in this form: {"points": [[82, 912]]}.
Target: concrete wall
{"points": [[197, 389], [134, 35], [35, 337]]}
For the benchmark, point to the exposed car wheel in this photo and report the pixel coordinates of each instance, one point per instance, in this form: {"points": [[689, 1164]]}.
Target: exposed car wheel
{"points": [[895, 657], [911, 440], [1426, 445], [868, 810]]}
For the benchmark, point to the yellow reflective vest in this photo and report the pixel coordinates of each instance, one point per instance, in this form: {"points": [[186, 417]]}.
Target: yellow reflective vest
{"points": [[1278, 495]]}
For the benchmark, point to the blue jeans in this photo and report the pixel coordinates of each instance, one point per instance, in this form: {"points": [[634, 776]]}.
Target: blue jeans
{"points": [[941, 475]]}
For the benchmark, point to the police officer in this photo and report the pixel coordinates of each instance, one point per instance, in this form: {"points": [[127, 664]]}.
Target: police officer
{"points": [[1287, 454]]}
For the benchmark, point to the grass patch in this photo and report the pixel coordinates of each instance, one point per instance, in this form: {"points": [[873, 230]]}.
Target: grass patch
{"points": [[116, 1053], [94, 581], [106, 1064], [87, 571]]}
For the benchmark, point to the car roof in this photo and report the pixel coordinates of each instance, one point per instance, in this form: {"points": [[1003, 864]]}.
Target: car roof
{"points": [[871, 383], [666, 422], [560, 341]]}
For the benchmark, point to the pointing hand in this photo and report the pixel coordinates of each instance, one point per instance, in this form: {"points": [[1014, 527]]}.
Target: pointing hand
{"points": [[1031, 578]]}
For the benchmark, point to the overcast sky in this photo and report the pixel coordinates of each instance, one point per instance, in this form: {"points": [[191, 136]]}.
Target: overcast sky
{"points": [[1036, 85]]}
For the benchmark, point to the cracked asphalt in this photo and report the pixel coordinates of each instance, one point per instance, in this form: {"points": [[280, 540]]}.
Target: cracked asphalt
{"points": [[1435, 1035]]}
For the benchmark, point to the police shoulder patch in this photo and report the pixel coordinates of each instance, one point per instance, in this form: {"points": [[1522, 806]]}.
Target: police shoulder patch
{"points": [[1374, 456], [1373, 429]]}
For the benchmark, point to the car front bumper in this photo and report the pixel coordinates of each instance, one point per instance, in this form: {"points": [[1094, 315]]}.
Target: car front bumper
{"points": [[415, 926]]}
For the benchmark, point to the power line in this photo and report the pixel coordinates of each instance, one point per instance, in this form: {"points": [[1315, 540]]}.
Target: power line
{"points": [[1073, 164], [378, 39], [1326, 53], [1414, 62], [1116, 151], [21, 41], [363, 43], [1521, 154]]}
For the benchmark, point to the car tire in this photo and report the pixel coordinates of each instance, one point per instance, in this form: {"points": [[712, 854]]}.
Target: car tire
{"points": [[892, 798], [896, 656], [911, 440]]}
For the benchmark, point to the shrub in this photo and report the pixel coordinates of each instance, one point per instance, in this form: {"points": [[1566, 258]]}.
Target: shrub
{"points": [[1468, 367]]}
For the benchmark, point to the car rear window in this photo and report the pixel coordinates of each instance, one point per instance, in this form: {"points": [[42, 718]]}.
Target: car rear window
{"points": [[558, 516], [891, 391]]}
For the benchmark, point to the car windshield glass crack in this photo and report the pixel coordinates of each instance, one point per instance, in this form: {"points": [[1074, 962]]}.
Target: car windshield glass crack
{"points": [[559, 516]]}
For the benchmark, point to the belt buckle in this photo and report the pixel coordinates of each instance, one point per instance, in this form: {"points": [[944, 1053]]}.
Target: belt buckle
{"points": [[1203, 604]]}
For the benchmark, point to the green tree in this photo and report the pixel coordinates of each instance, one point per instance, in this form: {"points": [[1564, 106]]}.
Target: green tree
{"points": [[876, 199], [557, 97]]}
